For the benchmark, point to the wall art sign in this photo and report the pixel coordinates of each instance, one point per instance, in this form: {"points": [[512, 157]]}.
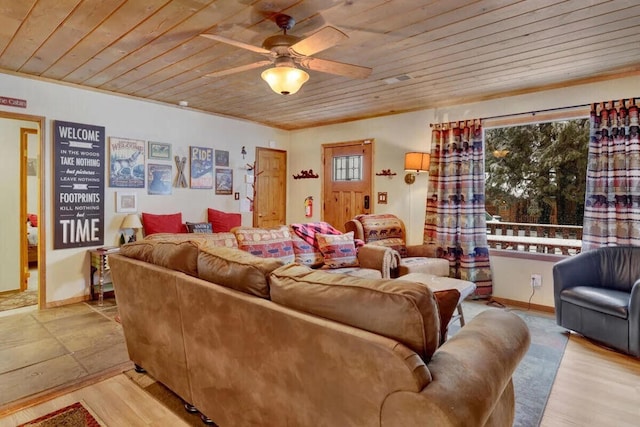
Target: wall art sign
{"points": [[78, 182], [159, 151], [13, 102], [222, 158], [201, 167], [224, 181], [159, 178], [127, 163]]}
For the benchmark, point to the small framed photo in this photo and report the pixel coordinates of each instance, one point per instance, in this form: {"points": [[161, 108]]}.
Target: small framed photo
{"points": [[222, 158], [159, 151], [224, 181], [126, 202]]}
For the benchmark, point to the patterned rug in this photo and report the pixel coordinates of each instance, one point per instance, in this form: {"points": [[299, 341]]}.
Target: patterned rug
{"points": [[74, 415], [18, 299], [532, 379], [536, 372]]}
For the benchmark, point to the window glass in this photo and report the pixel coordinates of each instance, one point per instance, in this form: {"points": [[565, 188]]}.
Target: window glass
{"points": [[536, 175], [347, 168]]}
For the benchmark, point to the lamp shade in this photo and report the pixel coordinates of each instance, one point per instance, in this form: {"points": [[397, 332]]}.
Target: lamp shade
{"points": [[416, 162], [131, 221], [285, 80]]}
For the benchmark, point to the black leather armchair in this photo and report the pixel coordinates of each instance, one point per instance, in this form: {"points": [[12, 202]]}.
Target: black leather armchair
{"points": [[597, 294]]}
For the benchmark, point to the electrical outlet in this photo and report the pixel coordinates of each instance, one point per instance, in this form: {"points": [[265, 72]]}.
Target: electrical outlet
{"points": [[536, 280]]}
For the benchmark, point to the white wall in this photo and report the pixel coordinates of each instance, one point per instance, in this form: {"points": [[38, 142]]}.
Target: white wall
{"points": [[67, 270], [397, 134]]}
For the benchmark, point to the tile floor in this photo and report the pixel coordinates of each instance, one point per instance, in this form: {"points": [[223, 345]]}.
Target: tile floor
{"points": [[40, 350]]}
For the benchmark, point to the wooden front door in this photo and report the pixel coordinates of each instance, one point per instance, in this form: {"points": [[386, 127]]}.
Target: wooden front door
{"points": [[346, 186], [269, 205]]}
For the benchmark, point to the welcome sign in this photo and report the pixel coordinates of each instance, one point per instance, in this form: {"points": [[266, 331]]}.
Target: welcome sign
{"points": [[79, 152]]}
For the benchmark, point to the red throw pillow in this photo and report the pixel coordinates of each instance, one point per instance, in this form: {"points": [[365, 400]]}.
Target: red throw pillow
{"points": [[222, 221], [33, 219], [171, 223]]}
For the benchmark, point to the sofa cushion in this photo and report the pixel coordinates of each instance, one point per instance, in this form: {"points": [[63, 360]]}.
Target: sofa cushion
{"points": [[307, 231], [199, 227], [236, 269], [223, 221], [338, 250], [175, 255], [226, 240], [404, 311], [171, 223], [266, 242]]}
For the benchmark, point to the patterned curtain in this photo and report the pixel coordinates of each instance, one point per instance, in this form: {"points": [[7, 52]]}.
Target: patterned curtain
{"points": [[455, 214], [612, 199]]}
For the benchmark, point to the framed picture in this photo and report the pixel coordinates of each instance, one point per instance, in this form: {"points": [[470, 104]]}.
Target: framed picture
{"points": [[222, 158], [201, 167], [224, 181], [127, 163], [159, 151], [159, 178], [126, 202]]}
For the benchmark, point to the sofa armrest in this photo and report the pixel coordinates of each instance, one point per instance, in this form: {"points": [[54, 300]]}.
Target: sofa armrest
{"points": [[427, 251], [378, 258], [472, 374]]}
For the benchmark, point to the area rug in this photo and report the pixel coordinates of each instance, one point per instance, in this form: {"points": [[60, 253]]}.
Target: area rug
{"points": [[74, 415], [18, 300], [536, 373]]}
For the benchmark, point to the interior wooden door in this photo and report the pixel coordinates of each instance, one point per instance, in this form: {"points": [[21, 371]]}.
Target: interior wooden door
{"points": [[346, 186], [270, 204]]}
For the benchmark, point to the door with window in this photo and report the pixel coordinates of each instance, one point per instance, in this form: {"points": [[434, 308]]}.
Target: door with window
{"points": [[346, 187]]}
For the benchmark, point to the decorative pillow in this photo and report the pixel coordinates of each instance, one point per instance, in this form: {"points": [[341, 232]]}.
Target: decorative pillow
{"points": [[308, 230], [33, 219], [305, 253], [222, 221], [266, 242], [171, 223], [338, 250], [199, 227]]}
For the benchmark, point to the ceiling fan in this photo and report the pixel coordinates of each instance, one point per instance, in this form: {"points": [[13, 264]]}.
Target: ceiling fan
{"points": [[286, 52]]}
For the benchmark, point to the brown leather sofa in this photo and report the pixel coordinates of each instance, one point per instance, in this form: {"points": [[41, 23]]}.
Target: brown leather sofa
{"points": [[252, 342]]}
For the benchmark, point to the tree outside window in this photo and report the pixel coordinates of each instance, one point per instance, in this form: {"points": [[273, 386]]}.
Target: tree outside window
{"points": [[536, 173]]}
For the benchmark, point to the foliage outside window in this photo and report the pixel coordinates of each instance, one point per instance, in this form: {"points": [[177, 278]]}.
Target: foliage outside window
{"points": [[536, 173]]}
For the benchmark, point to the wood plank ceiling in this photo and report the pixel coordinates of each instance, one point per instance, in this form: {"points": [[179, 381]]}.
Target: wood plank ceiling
{"points": [[453, 51]]}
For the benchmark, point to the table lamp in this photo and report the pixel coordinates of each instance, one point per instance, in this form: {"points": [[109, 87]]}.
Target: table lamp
{"points": [[131, 221]]}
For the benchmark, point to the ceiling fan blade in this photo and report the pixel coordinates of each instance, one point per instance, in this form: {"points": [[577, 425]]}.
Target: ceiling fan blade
{"points": [[318, 41], [334, 67], [239, 69], [237, 43]]}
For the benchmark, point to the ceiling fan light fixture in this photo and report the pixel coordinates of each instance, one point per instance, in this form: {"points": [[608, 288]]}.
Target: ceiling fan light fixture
{"points": [[285, 80]]}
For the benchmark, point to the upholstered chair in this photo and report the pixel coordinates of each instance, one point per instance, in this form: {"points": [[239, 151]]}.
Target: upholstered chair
{"points": [[389, 230], [597, 294]]}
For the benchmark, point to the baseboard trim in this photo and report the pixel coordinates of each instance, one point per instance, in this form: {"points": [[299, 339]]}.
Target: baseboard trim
{"points": [[522, 304], [52, 393], [53, 304]]}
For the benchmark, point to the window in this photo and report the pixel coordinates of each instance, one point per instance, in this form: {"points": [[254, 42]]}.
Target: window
{"points": [[347, 168], [536, 177]]}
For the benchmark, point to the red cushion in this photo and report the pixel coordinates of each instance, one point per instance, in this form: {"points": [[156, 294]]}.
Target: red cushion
{"points": [[171, 223], [222, 221], [33, 219]]}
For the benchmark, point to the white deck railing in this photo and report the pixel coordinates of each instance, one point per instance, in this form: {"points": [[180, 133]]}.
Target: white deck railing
{"points": [[539, 238]]}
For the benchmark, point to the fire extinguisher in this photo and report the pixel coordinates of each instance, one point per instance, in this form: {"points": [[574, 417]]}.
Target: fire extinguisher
{"points": [[308, 207]]}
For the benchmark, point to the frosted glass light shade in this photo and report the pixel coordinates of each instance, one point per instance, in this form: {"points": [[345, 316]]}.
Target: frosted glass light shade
{"points": [[285, 80]]}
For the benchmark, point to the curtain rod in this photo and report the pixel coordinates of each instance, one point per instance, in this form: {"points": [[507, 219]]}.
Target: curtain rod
{"points": [[534, 112]]}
